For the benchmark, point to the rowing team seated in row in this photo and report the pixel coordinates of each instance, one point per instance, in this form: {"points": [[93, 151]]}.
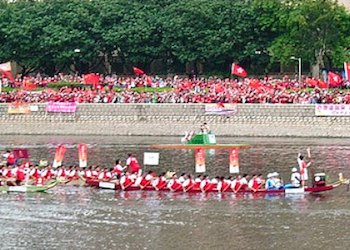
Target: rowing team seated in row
{"points": [[203, 183]]}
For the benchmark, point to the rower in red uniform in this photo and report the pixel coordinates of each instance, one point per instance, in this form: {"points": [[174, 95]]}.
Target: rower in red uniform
{"points": [[223, 185], [118, 168], [206, 184], [35, 173], [133, 165], [47, 173], [105, 175], [159, 183], [20, 175], [10, 158], [146, 180], [188, 184], [126, 181], [253, 183], [61, 172], [197, 182], [174, 185], [88, 173]]}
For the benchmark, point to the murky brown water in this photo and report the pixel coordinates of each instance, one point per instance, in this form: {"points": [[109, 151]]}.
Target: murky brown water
{"points": [[85, 218]]}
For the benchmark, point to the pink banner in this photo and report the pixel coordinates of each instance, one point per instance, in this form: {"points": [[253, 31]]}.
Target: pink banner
{"points": [[63, 107]]}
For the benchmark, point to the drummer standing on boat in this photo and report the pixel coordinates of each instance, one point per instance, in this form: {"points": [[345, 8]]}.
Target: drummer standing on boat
{"points": [[303, 166], [133, 165]]}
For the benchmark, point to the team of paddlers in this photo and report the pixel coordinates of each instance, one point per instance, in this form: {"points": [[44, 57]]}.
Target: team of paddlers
{"points": [[131, 176]]}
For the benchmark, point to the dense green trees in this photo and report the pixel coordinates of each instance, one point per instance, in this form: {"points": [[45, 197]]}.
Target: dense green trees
{"points": [[52, 35]]}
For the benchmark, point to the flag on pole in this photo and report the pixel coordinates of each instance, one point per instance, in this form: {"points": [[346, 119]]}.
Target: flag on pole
{"points": [[347, 70], [5, 66], [334, 80], [238, 70], [138, 71]]}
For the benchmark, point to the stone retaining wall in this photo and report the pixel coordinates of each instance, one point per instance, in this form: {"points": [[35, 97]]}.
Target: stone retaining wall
{"points": [[174, 119]]}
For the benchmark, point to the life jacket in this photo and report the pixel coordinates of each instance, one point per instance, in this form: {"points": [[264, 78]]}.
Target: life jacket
{"points": [[11, 159], [224, 186], [39, 181], [9, 173], [146, 181], [20, 174], [125, 182], [256, 184], [134, 165], [117, 170], [188, 185], [161, 183], [175, 185]]}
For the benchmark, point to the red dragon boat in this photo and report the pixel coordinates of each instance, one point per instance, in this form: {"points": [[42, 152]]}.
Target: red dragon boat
{"points": [[302, 190]]}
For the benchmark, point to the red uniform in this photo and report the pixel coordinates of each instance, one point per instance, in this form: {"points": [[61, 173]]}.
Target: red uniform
{"points": [[11, 159], [133, 164], [20, 174]]}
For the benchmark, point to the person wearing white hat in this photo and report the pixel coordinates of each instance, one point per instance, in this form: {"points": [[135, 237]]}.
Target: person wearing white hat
{"points": [[295, 179], [270, 182]]}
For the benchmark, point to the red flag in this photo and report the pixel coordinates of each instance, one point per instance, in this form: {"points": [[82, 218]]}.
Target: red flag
{"points": [[28, 85], [149, 81], [7, 74], [238, 70], [322, 84], [21, 153], [334, 80], [92, 78], [311, 82], [347, 70], [138, 71], [254, 84]]}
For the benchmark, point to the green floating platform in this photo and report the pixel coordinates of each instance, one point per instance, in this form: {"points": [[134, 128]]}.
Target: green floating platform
{"points": [[203, 139]]}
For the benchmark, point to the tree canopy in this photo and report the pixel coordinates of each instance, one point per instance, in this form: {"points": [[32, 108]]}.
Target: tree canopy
{"points": [[51, 35]]}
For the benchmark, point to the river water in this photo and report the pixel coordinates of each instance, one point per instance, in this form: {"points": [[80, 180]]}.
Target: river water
{"points": [[86, 218]]}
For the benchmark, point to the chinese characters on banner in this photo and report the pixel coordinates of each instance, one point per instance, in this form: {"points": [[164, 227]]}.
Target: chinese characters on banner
{"points": [[332, 110], [200, 160], [226, 109], [63, 107], [234, 162]]}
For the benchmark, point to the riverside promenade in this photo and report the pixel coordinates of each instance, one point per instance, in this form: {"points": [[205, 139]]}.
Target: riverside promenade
{"points": [[174, 119]]}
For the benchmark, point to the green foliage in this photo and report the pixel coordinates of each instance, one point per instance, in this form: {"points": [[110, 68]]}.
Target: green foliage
{"points": [[44, 35]]}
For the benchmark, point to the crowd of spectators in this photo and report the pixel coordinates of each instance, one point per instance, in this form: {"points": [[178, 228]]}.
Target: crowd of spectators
{"points": [[115, 89]]}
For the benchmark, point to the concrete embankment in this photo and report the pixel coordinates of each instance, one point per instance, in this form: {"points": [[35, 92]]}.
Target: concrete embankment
{"points": [[174, 119]]}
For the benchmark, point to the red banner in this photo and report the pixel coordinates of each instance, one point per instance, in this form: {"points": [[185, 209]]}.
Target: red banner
{"points": [[60, 151], [82, 149], [20, 153], [234, 161], [200, 160]]}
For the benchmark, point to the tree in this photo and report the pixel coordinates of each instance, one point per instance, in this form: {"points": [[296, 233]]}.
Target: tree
{"points": [[314, 30]]}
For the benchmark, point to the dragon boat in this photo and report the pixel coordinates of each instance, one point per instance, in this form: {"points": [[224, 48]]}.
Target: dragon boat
{"points": [[29, 188], [318, 187]]}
